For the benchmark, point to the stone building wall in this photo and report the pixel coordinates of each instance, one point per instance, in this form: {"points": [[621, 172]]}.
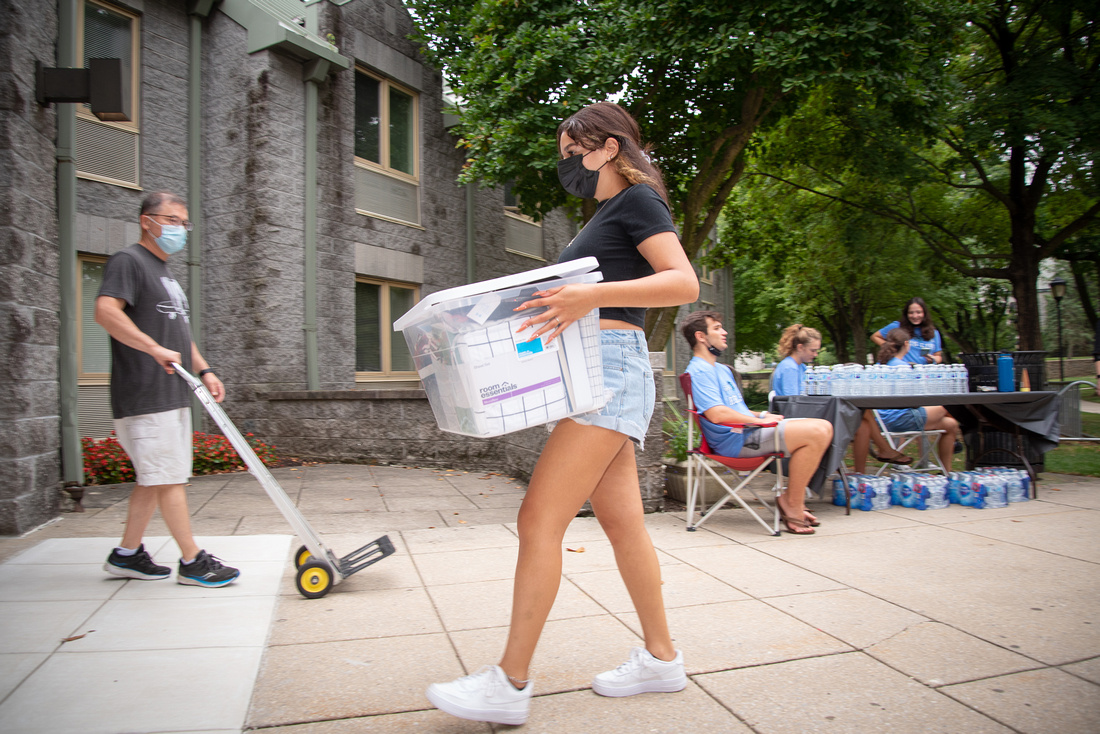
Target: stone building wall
{"points": [[252, 304], [30, 422]]}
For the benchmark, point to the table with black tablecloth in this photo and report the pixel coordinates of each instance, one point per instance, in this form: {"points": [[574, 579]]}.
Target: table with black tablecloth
{"points": [[1030, 414]]}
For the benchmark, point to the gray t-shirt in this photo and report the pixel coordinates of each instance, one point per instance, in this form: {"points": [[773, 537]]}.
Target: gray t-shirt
{"points": [[158, 306]]}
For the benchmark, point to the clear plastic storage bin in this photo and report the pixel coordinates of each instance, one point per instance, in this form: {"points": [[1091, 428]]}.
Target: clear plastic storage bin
{"points": [[482, 378]]}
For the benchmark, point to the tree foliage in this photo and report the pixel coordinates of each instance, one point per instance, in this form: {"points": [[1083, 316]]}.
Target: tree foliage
{"points": [[701, 76], [797, 257], [1005, 175]]}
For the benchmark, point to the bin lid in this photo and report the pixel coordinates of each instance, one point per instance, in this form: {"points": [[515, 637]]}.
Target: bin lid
{"points": [[562, 270]]}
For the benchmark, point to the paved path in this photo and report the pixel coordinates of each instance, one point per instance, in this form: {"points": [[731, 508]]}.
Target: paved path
{"points": [[954, 620]]}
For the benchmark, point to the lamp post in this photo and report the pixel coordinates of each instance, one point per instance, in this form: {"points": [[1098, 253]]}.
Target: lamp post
{"points": [[1058, 290]]}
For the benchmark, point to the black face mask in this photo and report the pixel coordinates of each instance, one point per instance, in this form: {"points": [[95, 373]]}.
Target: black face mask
{"points": [[576, 179], [715, 352]]}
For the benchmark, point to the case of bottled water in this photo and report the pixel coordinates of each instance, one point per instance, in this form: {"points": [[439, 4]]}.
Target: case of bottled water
{"points": [[1017, 482], [965, 488]]}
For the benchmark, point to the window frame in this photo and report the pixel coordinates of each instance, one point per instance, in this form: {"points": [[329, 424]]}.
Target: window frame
{"points": [[86, 378], [388, 374], [84, 112], [705, 274], [383, 166], [511, 211]]}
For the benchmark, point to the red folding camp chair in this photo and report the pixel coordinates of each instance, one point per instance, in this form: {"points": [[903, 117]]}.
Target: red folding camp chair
{"points": [[698, 464]]}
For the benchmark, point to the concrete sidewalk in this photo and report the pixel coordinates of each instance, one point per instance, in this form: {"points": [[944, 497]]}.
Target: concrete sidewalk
{"points": [[954, 620]]}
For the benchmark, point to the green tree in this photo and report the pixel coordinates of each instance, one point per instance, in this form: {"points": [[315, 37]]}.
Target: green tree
{"points": [[1005, 176], [702, 77], [832, 267]]}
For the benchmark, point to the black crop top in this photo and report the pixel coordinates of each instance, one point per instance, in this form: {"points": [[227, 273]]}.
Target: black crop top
{"points": [[612, 236]]}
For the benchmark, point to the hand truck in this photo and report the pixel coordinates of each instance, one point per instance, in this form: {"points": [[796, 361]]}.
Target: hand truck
{"points": [[317, 567]]}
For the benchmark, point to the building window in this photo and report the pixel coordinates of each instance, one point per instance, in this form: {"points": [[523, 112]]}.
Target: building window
{"points": [[108, 151], [93, 353], [522, 234], [381, 352], [705, 275], [387, 157], [92, 344]]}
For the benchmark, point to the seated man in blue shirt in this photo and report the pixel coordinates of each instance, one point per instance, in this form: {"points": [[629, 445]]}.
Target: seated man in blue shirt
{"points": [[802, 440]]}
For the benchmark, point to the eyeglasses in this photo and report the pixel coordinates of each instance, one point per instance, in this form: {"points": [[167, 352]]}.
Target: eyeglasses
{"points": [[175, 221]]}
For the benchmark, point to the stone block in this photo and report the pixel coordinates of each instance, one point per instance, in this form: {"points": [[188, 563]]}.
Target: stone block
{"points": [[16, 477], [16, 247], [29, 361], [16, 323]]}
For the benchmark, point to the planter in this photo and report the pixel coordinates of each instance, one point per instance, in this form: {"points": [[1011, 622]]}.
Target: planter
{"points": [[676, 483]]}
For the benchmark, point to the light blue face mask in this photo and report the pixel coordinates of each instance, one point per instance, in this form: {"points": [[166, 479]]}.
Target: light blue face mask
{"points": [[172, 238]]}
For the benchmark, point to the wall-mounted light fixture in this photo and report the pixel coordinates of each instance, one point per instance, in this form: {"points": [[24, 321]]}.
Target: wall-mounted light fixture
{"points": [[104, 84]]}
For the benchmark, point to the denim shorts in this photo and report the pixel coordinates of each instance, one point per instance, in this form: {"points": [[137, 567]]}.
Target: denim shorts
{"points": [[159, 445], [912, 419], [627, 383]]}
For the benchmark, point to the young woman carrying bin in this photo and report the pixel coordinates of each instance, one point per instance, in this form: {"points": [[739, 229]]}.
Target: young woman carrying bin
{"points": [[591, 456]]}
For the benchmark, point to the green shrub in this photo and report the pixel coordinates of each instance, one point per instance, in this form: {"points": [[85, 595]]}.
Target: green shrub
{"points": [[106, 462], [676, 428]]}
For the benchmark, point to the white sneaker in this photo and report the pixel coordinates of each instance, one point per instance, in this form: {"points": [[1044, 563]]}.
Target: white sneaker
{"points": [[643, 673], [487, 695]]}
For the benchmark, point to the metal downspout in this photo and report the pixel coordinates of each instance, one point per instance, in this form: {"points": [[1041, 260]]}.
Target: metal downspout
{"points": [[313, 73], [72, 460], [198, 12], [471, 228]]}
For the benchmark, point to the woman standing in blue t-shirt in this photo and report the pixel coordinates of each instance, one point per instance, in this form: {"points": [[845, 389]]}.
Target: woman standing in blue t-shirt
{"points": [[925, 343], [799, 346]]}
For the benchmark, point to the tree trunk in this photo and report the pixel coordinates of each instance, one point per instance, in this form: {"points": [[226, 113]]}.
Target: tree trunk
{"points": [[659, 323], [1023, 277], [1079, 280]]}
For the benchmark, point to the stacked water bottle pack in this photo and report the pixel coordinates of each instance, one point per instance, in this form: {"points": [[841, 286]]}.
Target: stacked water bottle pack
{"points": [[988, 488], [850, 380], [991, 487]]}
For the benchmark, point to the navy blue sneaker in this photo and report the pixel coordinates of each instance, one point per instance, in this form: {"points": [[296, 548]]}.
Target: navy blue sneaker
{"points": [[206, 570], [138, 566]]}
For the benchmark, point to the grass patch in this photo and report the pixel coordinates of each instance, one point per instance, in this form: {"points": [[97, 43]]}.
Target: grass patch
{"points": [[1077, 458]]}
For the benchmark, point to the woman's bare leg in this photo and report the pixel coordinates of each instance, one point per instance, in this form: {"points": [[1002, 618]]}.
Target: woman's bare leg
{"points": [[617, 503], [571, 466], [939, 419]]}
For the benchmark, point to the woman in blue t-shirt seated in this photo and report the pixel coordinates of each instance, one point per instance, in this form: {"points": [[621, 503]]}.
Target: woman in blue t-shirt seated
{"points": [[799, 346], [925, 343], [930, 418]]}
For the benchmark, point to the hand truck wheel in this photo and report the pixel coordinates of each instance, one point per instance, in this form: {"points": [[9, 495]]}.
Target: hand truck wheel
{"points": [[314, 579], [300, 557]]}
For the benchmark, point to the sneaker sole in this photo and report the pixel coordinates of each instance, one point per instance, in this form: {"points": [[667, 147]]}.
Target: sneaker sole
{"points": [[495, 716], [129, 573], [188, 581], [649, 686]]}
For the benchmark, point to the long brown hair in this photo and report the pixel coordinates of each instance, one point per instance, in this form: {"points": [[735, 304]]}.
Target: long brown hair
{"points": [[927, 328], [591, 126]]}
